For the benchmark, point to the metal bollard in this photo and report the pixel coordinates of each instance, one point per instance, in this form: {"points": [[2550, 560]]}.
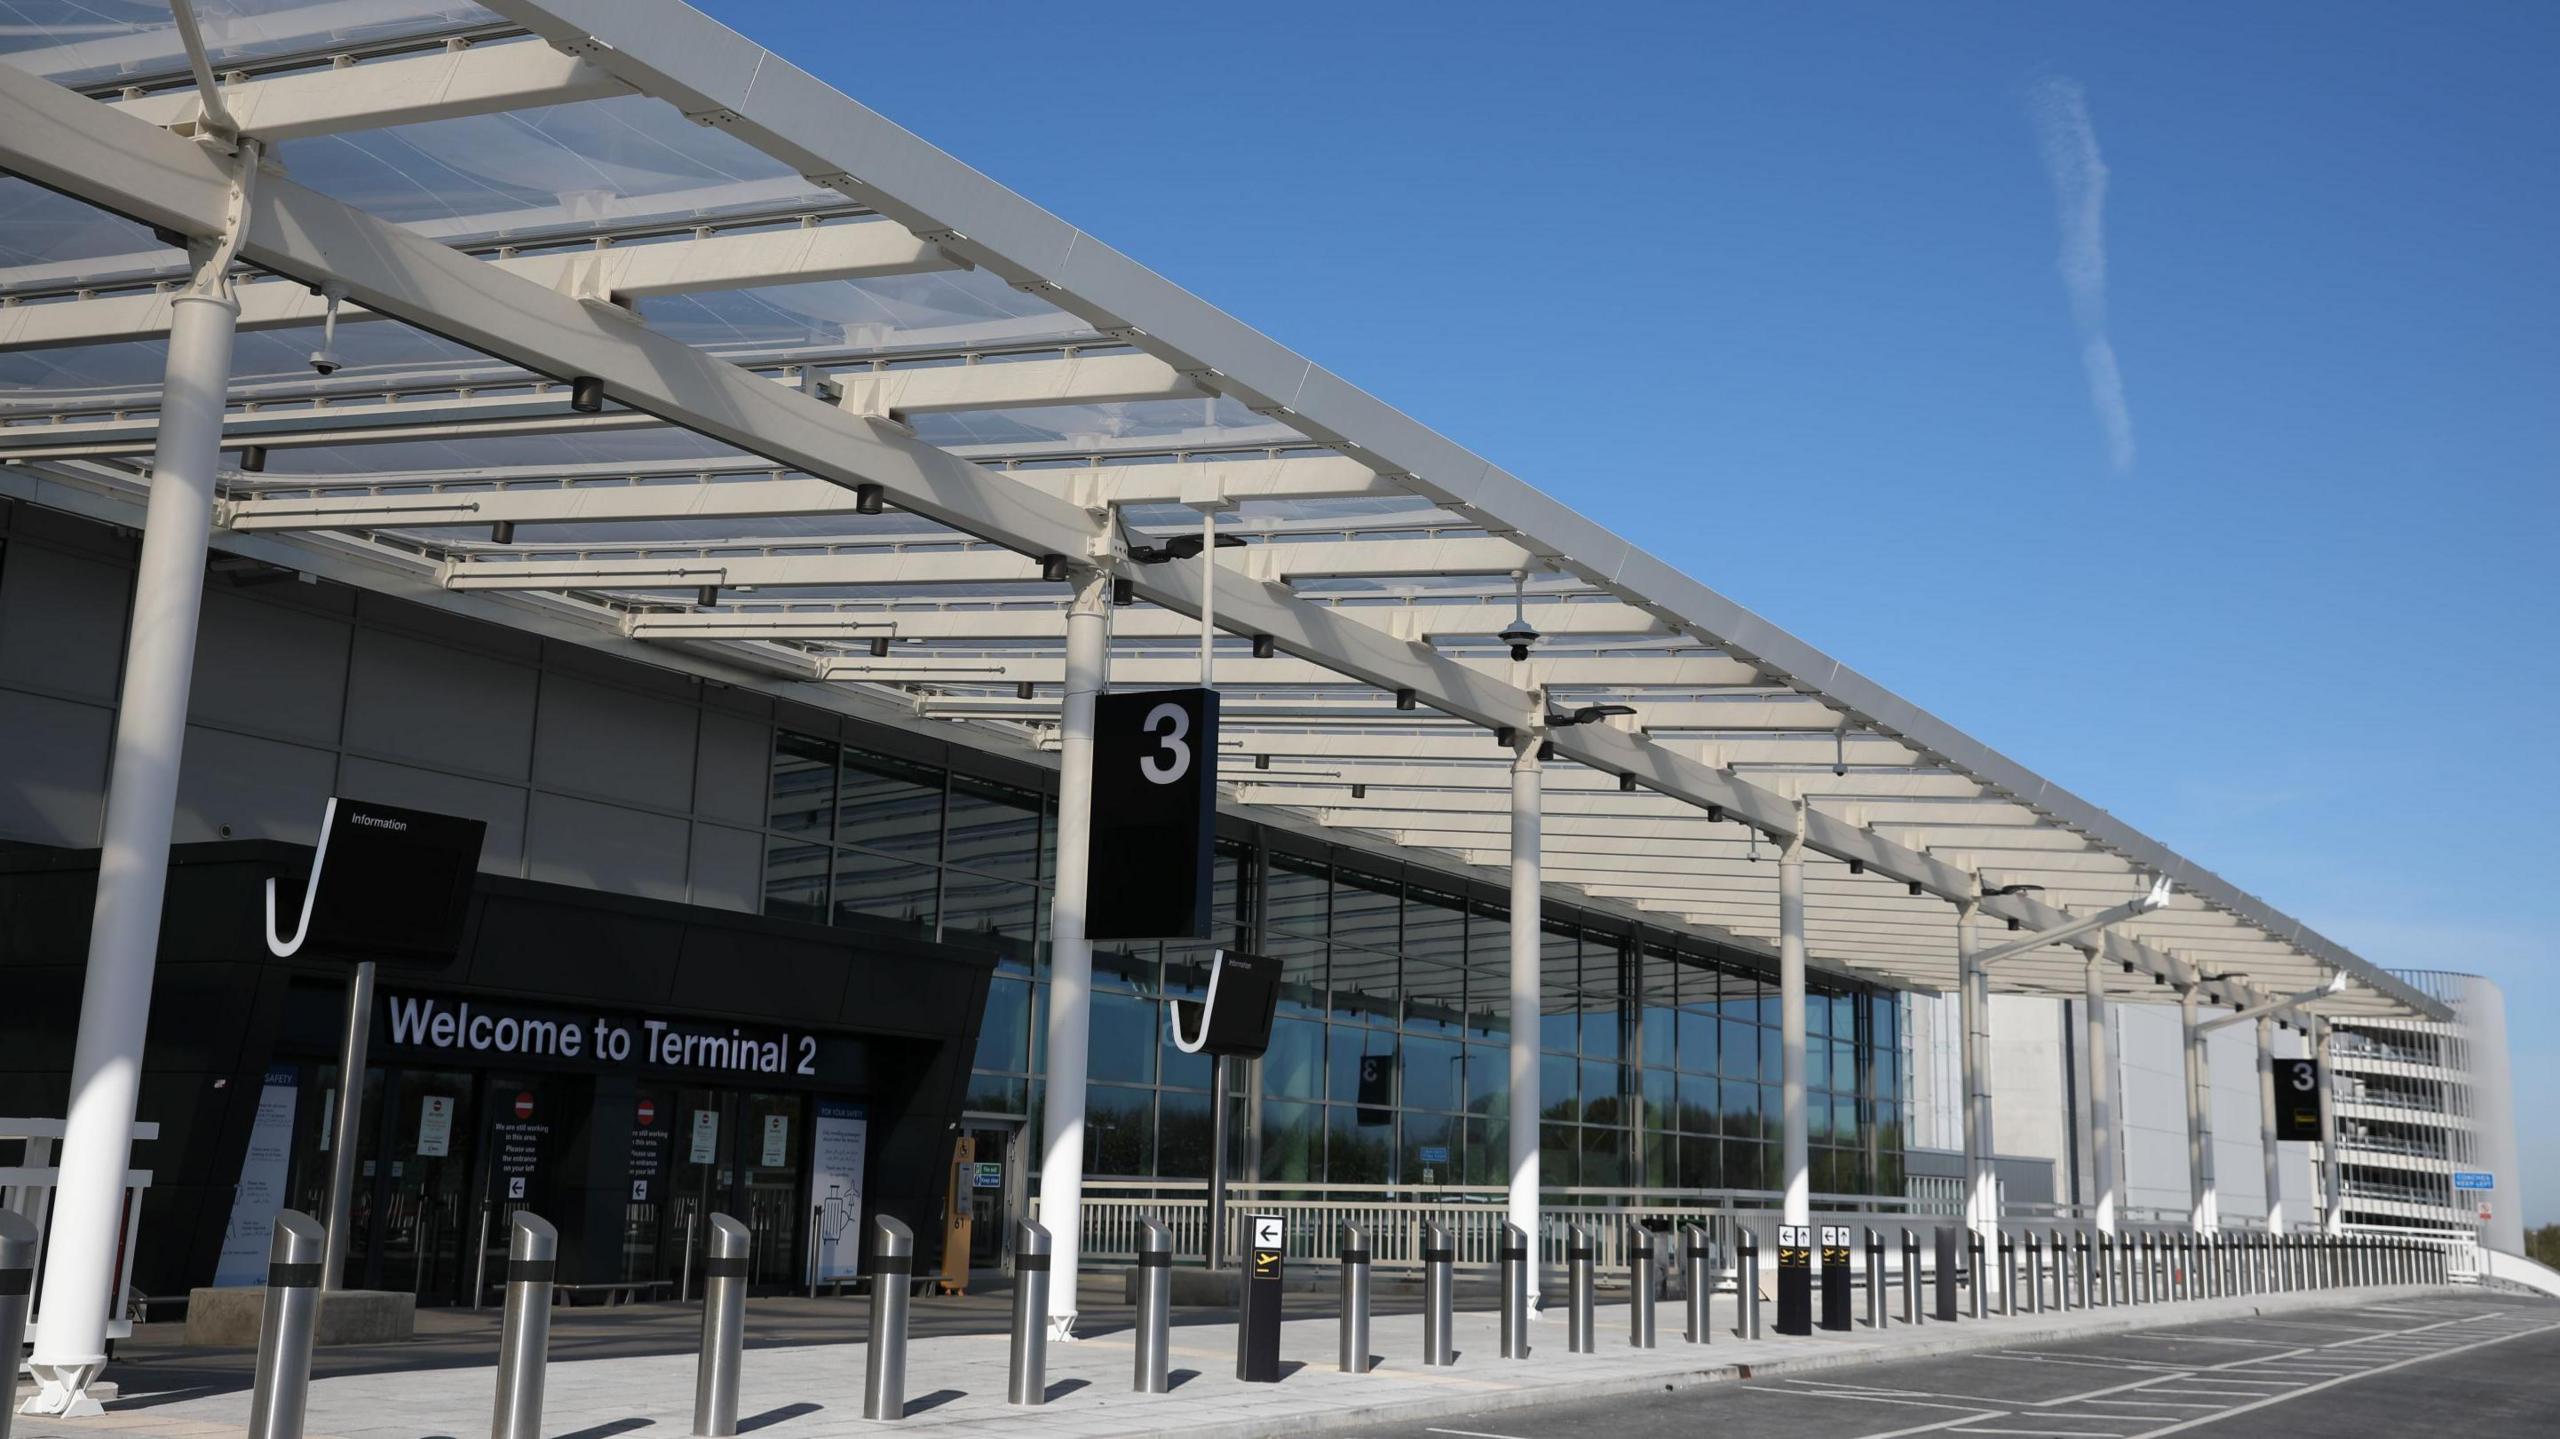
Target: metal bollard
{"points": [[1910, 1277], [1641, 1287], [1700, 1270], [1515, 1292], [1975, 1270], [1746, 1279], [724, 1328], [524, 1333], [282, 1390], [1577, 1262], [1354, 1358], [884, 1366], [2085, 1300], [1155, 1309], [1875, 1279], [1439, 1255], [2035, 1274], [1026, 1380], [2008, 1274]]}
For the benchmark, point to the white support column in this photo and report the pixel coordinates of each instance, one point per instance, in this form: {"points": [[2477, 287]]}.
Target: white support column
{"points": [[133, 856], [1088, 673], [1527, 785], [2267, 1121], [1794, 1134], [2106, 1171], [2201, 1206], [2332, 1198], [1973, 1006]]}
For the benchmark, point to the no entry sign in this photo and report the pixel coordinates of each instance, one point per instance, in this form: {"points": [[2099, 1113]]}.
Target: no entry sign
{"points": [[648, 1112], [524, 1106]]}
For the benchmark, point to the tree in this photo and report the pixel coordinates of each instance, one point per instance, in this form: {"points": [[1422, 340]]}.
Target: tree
{"points": [[2543, 1245]]}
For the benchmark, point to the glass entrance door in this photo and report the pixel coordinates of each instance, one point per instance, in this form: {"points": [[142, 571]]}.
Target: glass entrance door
{"points": [[426, 1212], [772, 1135], [990, 1210]]}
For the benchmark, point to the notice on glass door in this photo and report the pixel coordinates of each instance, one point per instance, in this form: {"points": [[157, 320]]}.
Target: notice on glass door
{"points": [[262, 1176], [843, 1132], [435, 1126], [706, 1137]]}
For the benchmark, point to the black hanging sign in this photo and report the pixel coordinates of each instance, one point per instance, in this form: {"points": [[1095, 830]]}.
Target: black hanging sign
{"points": [[1155, 788], [1244, 989], [385, 883], [2297, 1099]]}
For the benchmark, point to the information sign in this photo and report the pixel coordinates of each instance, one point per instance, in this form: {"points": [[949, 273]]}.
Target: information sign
{"points": [[1155, 757]]}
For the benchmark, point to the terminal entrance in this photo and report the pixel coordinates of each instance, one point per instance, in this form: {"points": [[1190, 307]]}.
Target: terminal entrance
{"points": [[449, 1156]]}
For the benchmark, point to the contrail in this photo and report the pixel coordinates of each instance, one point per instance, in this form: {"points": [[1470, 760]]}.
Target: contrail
{"points": [[2079, 173]]}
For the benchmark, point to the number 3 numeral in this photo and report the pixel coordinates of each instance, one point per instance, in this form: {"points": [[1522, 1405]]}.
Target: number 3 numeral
{"points": [[1176, 760]]}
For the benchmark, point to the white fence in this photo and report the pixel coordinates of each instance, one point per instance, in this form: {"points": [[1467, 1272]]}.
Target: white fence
{"points": [[27, 1188]]}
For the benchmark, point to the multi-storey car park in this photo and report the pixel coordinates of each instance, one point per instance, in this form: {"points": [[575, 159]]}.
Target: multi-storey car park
{"points": [[572, 416], [2426, 1112]]}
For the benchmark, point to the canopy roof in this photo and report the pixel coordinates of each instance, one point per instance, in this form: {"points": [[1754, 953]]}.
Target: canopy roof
{"points": [[789, 301]]}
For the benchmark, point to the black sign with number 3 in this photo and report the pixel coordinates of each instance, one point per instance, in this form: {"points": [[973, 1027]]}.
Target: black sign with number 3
{"points": [[1155, 787], [2297, 1099]]}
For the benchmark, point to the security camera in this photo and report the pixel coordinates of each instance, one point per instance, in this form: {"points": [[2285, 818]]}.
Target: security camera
{"points": [[326, 362], [325, 359], [1519, 635]]}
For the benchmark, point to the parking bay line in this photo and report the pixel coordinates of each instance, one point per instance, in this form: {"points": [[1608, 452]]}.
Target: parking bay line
{"points": [[2202, 1419]]}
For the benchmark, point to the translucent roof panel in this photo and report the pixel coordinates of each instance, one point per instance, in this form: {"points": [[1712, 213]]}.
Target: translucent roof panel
{"points": [[1170, 422], [85, 43], [957, 308], [621, 160]]}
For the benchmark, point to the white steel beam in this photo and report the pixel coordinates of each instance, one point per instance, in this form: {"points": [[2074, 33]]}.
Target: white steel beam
{"points": [[1011, 384], [619, 275], [373, 95]]}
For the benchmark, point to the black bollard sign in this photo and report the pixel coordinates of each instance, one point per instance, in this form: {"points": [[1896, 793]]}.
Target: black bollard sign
{"points": [[1155, 789], [1258, 1305], [1795, 1279], [1835, 1276], [1950, 1268]]}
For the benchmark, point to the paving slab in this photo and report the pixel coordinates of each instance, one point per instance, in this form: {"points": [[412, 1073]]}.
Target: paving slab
{"points": [[956, 1382]]}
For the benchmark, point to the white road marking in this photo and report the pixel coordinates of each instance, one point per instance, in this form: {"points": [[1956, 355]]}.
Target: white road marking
{"points": [[1941, 1424], [1470, 1434], [2343, 1379], [2155, 1403], [1861, 1398]]}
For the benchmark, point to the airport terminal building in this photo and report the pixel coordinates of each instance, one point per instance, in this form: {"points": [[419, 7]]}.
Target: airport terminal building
{"points": [[569, 420]]}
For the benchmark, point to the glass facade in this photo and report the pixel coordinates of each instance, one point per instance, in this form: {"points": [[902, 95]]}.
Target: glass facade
{"points": [[1659, 1061]]}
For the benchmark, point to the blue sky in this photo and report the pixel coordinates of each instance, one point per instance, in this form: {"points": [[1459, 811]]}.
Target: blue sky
{"points": [[1781, 292]]}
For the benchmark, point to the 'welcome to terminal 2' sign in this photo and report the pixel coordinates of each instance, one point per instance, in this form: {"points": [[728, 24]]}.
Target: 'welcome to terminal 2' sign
{"points": [[1155, 785], [470, 1029]]}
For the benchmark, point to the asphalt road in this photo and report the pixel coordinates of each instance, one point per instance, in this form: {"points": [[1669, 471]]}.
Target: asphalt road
{"points": [[2474, 1367]]}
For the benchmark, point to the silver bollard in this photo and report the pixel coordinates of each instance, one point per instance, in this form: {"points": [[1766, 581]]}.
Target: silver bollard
{"points": [[524, 1329], [1746, 1280], [2035, 1274], [1700, 1271], [884, 1368], [1439, 1258], [1875, 1278], [1155, 1309], [724, 1329], [1641, 1287], [1577, 1265], [1027, 1373], [1515, 1292], [2008, 1274], [1978, 1274], [1910, 1277], [17, 1297], [281, 1392], [1354, 1356]]}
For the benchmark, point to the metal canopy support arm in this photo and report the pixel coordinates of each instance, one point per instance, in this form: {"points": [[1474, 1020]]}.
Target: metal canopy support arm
{"points": [[133, 855], [1526, 1106], [2333, 1219], [2158, 897], [1070, 953]]}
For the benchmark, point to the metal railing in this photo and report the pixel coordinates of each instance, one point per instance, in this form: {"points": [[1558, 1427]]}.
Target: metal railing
{"points": [[26, 1188]]}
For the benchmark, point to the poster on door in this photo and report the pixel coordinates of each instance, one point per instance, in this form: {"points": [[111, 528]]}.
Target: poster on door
{"points": [[255, 1202], [835, 1187], [706, 1137], [648, 1151], [435, 1126], [520, 1137], [777, 1141]]}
